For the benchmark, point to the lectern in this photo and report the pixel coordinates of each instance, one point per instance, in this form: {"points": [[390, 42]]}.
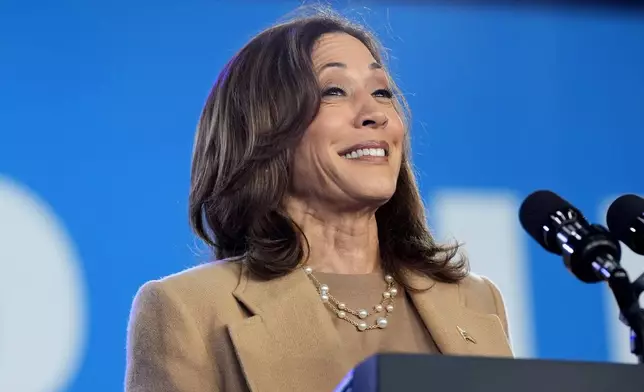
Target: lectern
{"points": [[410, 373]]}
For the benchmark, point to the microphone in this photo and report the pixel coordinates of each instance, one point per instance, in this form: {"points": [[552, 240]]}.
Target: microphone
{"points": [[625, 219], [589, 251]]}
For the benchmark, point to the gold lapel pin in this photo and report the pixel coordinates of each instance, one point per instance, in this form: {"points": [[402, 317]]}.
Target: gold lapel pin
{"points": [[465, 335]]}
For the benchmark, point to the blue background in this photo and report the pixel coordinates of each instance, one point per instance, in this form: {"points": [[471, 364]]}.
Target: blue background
{"points": [[99, 102]]}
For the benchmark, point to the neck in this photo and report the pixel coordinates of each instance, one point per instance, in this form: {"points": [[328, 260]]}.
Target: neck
{"points": [[339, 242]]}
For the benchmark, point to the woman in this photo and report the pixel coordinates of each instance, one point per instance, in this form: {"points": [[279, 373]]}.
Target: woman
{"points": [[302, 185]]}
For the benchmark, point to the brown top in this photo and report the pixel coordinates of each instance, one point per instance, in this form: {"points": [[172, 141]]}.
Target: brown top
{"points": [[405, 331]]}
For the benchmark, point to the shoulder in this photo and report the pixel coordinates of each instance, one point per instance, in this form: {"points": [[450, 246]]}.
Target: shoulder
{"points": [[220, 277], [199, 291], [480, 294], [175, 323]]}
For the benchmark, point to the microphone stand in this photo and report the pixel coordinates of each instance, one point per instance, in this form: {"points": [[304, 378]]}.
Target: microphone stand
{"points": [[627, 296]]}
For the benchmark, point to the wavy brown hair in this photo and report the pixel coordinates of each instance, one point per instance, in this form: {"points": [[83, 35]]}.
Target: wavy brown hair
{"points": [[254, 117]]}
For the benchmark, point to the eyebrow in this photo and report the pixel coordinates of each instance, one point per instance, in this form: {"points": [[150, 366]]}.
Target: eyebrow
{"points": [[373, 65]]}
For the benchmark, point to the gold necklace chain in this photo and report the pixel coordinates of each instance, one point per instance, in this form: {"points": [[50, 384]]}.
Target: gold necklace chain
{"points": [[342, 311]]}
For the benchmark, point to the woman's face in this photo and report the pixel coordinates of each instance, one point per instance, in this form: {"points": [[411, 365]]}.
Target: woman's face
{"points": [[351, 153]]}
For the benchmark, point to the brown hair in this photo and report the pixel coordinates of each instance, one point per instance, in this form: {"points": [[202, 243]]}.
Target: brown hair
{"points": [[258, 110]]}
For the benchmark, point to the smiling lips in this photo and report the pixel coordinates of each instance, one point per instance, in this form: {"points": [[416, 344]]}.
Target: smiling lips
{"points": [[367, 151]]}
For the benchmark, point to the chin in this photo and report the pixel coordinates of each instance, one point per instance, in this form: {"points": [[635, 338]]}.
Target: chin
{"points": [[378, 195]]}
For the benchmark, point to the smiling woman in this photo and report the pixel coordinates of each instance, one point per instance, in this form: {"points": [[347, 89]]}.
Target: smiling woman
{"points": [[357, 118], [302, 185]]}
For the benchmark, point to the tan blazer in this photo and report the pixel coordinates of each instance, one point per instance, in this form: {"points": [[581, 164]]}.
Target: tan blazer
{"points": [[216, 328]]}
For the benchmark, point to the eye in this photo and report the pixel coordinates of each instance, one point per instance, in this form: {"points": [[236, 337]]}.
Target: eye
{"points": [[383, 93], [333, 92]]}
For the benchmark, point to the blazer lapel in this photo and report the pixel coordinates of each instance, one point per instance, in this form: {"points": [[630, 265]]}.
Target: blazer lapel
{"points": [[456, 329], [290, 342]]}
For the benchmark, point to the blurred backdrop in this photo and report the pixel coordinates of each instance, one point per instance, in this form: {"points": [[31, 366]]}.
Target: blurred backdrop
{"points": [[99, 102]]}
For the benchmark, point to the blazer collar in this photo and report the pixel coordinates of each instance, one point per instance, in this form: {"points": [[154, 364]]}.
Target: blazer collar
{"points": [[456, 329], [290, 342]]}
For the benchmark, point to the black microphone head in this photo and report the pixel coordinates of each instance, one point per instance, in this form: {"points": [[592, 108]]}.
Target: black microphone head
{"points": [[535, 217], [589, 251], [625, 219]]}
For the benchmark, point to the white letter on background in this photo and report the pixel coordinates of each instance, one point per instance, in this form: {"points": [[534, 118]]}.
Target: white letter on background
{"points": [[42, 312], [488, 225]]}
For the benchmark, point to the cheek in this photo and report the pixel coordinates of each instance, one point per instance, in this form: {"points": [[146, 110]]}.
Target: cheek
{"points": [[309, 146], [324, 132], [397, 132], [330, 116], [311, 151], [396, 127]]}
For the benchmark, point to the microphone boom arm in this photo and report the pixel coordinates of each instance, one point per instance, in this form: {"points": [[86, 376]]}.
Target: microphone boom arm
{"points": [[627, 297]]}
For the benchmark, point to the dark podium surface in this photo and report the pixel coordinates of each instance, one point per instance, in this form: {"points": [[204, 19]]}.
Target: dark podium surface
{"points": [[401, 372]]}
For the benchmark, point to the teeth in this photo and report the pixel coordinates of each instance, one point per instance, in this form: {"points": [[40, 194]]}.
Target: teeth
{"points": [[374, 152]]}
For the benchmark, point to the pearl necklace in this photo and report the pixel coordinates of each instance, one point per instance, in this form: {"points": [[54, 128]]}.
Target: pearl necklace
{"points": [[342, 311]]}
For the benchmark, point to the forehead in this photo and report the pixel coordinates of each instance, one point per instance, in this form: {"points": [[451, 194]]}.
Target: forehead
{"points": [[341, 48]]}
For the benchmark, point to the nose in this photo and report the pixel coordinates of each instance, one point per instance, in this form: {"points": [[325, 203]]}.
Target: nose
{"points": [[370, 118]]}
